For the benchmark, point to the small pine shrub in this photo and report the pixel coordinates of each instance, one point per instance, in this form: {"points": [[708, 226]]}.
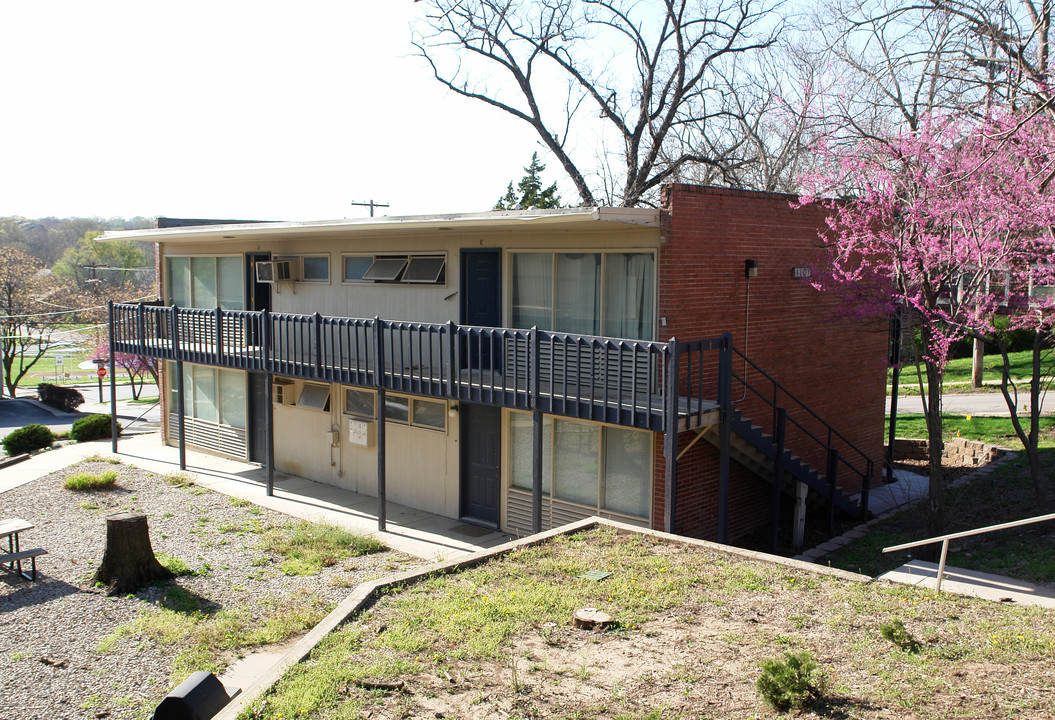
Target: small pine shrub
{"points": [[88, 481], [896, 633], [791, 683], [28, 438], [92, 427], [61, 398]]}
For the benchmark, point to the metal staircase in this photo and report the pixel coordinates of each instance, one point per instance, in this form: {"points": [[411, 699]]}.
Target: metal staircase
{"points": [[751, 447]]}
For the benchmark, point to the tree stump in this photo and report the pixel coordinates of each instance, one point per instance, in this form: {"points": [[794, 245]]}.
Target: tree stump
{"points": [[128, 561], [592, 619]]}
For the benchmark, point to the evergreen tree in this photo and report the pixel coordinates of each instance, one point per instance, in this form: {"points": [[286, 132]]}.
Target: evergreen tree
{"points": [[531, 192]]}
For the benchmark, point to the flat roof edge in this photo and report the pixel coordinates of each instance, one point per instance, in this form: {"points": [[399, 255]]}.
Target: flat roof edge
{"points": [[463, 221]]}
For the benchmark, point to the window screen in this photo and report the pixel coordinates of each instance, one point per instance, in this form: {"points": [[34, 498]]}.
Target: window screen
{"points": [[359, 403], [429, 413]]}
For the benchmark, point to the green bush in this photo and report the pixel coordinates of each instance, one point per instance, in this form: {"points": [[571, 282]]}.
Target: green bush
{"points": [[28, 438], [92, 427], [791, 683]]}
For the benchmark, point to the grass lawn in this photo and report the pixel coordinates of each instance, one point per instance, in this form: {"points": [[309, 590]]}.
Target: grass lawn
{"points": [[958, 371], [692, 626], [994, 430]]}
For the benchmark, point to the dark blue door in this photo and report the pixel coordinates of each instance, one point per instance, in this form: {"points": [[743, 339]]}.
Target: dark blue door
{"points": [[481, 306], [481, 444]]}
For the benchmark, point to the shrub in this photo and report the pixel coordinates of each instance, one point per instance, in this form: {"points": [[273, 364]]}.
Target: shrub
{"points": [[87, 481], [28, 438], [896, 633], [790, 683], [92, 427], [61, 398]]}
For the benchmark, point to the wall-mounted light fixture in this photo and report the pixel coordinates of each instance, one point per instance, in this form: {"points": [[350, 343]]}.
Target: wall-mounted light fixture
{"points": [[750, 268], [453, 410]]}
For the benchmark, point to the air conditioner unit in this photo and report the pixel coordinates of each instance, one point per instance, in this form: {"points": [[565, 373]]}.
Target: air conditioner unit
{"points": [[278, 271], [282, 392]]}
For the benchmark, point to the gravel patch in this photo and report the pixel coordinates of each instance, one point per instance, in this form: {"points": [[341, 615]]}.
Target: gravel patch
{"points": [[50, 630]]}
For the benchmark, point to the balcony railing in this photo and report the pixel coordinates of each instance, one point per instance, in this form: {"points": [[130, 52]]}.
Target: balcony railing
{"points": [[617, 381]]}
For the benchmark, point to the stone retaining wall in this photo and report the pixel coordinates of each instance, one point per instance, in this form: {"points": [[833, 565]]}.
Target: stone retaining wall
{"points": [[959, 451]]}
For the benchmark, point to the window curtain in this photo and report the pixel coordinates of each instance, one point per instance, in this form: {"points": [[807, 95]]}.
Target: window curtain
{"points": [[179, 281], [521, 427], [578, 293], [627, 471], [628, 295], [532, 290], [203, 282], [229, 284], [575, 461]]}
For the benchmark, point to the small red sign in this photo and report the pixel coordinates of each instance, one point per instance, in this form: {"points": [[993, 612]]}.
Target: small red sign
{"points": [[102, 372]]}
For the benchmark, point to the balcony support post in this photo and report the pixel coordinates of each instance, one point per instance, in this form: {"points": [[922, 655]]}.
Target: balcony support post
{"points": [[181, 409], [269, 400], [379, 382], [113, 381], [670, 437], [536, 436], [725, 394], [778, 474]]}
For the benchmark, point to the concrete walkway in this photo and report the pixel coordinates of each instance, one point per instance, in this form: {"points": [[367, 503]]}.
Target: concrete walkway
{"points": [[968, 582], [421, 534]]}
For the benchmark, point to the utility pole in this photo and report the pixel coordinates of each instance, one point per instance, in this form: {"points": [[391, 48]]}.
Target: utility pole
{"points": [[370, 205]]}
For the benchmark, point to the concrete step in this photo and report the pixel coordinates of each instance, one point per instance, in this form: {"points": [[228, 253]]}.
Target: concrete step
{"points": [[970, 582]]}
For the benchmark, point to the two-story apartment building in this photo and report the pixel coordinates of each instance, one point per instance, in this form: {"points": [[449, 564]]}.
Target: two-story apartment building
{"points": [[524, 369]]}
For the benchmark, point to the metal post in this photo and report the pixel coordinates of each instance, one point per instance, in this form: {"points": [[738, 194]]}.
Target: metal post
{"points": [[318, 345], [269, 400], [941, 564], [536, 437], [180, 394], [778, 474], [725, 393], [833, 469], [670, 438], [893, 427], [379, 382], [113, 381], [218, 345]]}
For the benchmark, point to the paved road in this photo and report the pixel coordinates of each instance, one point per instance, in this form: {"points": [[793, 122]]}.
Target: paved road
{"points": [[19, 411], [985, 404]]}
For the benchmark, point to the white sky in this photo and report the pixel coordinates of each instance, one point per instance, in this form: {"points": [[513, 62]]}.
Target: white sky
{"points": [[234, 109]]}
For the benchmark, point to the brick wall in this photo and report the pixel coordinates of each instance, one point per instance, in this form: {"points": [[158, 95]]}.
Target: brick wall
{"points": [[835, 366]]}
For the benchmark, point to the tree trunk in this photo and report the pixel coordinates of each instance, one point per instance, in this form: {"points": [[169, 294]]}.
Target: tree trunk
{"points": [[977, 363], [935, 443], [128, 562]]}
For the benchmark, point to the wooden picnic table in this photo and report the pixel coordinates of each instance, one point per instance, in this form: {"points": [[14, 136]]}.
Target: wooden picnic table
{"points": [[10, 528]]}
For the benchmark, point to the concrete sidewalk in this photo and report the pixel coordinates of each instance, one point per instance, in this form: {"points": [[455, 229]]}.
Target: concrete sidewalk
{"points": [[417, 533], [968, 582]]}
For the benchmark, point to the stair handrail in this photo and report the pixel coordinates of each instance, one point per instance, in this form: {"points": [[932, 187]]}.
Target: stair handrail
{"points": [[785, 391], [944, 539]]}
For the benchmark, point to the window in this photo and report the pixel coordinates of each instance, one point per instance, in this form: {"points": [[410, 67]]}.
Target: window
{"points": [[600, 467], [416, 269], [360, 403], [212, 395], [355, 267], [316, 268], [205, 282], [416, 412], [427, 413], [316, 397], [386, 269], [424, 270], [610, 293]]}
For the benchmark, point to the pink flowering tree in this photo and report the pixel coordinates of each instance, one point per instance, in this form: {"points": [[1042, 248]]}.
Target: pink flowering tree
{"points": [[952, 224], [138, 367]]}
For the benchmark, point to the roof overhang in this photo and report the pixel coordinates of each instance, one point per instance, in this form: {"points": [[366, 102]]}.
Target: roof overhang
{"points": [[599, 218]]}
